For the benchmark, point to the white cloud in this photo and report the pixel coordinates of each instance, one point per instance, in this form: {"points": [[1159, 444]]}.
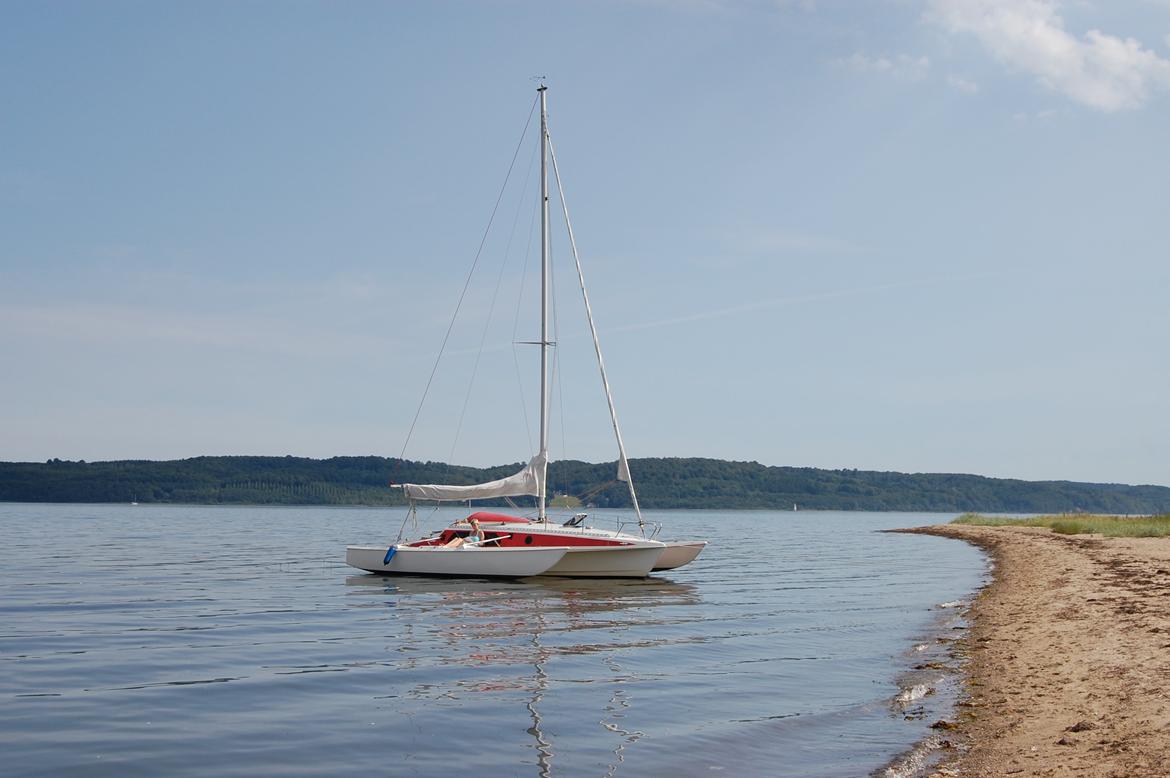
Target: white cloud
{"points": [[901, 66], [962, 84], [1099, 70]]}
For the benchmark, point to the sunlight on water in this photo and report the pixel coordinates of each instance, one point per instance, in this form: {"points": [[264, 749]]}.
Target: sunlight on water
{"points": [[200, 640]]}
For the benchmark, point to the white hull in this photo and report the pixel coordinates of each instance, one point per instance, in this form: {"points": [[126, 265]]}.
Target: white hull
{"points": [[679, 553], [608, 562], [429, 560]]}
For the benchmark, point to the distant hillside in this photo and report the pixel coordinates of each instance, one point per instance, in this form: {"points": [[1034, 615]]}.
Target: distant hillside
{"points": [[662, 483]]}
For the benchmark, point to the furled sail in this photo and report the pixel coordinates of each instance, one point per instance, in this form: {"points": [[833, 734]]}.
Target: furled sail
{"points": [[529, 481], [623, 468]]}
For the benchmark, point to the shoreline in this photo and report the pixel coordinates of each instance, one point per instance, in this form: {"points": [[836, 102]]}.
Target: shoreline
{"points": [[1066, 663]]}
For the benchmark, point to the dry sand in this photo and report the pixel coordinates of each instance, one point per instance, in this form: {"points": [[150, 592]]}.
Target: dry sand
{"points": [[1068, 657]]}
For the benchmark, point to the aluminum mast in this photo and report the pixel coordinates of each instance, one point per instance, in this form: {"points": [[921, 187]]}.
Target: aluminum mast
{"points": [[544, 343]]}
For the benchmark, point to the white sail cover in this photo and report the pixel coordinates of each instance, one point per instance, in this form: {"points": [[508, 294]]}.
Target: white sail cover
{"points": [[528, 481]]}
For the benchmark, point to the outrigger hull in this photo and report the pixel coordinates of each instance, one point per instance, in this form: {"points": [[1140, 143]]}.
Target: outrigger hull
{"points": [[603, 562], [467, 562], [679, 553]]}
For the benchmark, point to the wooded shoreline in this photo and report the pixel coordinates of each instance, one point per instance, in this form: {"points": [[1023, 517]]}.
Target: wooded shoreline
{"points": [[662, 483]]}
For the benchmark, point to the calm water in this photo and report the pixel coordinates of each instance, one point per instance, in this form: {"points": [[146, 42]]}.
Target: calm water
{"points": [[234, 641]]}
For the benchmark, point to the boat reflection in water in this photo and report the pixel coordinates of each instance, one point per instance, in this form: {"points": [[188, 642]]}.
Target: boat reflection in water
{"points": [[548, 671]]}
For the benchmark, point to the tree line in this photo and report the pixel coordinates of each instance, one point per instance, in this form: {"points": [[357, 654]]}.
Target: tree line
{"points": [[661, 482]]}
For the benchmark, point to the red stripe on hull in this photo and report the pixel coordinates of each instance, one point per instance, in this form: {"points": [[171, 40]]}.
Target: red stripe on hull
{"points": [[522, 538]]}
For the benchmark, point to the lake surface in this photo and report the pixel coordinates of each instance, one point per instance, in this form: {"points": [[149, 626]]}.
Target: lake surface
{"points": [[159, 640]]}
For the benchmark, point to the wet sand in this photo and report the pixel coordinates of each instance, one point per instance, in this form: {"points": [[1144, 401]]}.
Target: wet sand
{"points": [[1067, 660]]}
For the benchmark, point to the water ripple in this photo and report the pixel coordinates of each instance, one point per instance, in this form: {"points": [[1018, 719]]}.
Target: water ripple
{"points": [[196, 641]]}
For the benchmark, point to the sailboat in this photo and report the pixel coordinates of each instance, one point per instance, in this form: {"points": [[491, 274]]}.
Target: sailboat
{"points": [[514, 546]]}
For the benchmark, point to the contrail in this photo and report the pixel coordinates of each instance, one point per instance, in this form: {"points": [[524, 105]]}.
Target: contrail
{"points": [[797, 299], [771, 302]]}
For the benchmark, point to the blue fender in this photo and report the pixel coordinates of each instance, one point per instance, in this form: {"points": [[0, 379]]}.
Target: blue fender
{"points": [[389, 555]]}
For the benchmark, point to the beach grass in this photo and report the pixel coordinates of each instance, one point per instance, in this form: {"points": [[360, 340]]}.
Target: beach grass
{"points": [[1081, 524]]}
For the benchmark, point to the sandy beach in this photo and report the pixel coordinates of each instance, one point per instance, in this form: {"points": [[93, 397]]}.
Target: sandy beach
{"points": [[1068, 658]]}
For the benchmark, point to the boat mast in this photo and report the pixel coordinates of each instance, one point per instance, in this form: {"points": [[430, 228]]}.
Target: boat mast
{"points": [[544, 274]]}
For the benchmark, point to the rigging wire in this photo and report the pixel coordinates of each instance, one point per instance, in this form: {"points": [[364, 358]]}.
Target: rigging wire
{"points": [[491, 312], [557, 381], [589, 494], [410, 512], [516, 321], [467, 283]]}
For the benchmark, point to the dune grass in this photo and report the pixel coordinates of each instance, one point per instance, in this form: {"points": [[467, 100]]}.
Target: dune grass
{"points": [[1080, 524]]}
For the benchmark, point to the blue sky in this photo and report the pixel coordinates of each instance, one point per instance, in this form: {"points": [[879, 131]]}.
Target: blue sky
{"points": [[916, 235]]}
